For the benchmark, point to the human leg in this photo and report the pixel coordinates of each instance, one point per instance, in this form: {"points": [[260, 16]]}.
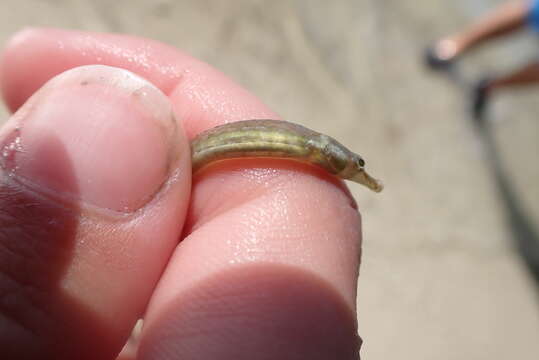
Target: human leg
{"points": [[500, 21], [526, 75]]}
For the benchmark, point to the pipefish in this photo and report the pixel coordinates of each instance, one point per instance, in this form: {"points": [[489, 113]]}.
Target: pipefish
{"points": [[279, 139]]}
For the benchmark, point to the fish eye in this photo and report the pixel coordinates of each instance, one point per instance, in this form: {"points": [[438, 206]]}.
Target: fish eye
{"points": [[360, 162]]}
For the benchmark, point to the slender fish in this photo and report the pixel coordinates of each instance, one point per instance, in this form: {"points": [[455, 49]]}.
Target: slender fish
{"points": [[279, 139]]}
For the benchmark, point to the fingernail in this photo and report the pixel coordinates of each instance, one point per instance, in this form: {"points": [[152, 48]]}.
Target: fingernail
{"points": [[95, 134]]}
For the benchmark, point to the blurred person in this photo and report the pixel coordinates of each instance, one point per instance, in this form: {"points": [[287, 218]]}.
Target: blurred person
{"points": [[502, 20]]}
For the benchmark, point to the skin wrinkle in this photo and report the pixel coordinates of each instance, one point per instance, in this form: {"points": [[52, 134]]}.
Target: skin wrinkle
{"points": [[25, 247], [9, 299], [30, 278], [14, 327]]}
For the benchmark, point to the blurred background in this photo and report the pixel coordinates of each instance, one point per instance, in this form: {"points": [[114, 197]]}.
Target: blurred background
{"points": [[451, 261]]}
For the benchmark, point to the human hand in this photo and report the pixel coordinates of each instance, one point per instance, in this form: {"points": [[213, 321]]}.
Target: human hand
{"points": [[95, 193]]}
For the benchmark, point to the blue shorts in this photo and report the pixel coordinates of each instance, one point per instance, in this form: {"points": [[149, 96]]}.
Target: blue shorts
{"points": [[533, 15]]}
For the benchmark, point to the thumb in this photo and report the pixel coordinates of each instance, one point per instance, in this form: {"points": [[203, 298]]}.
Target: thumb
{"points": [[94, 184]]}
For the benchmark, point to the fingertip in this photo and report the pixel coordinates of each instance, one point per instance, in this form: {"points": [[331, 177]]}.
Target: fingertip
{"points": [[262, 311], [46, 52]]}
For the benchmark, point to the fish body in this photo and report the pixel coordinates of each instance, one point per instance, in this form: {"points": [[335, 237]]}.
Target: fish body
{"points": [[279, 139]]}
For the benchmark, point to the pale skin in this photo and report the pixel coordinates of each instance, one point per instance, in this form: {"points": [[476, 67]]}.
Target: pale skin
{"points": [[269, 257], [500, 21]]}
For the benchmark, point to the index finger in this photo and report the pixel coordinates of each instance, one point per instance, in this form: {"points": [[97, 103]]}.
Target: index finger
{"points": [[269, 263]]}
